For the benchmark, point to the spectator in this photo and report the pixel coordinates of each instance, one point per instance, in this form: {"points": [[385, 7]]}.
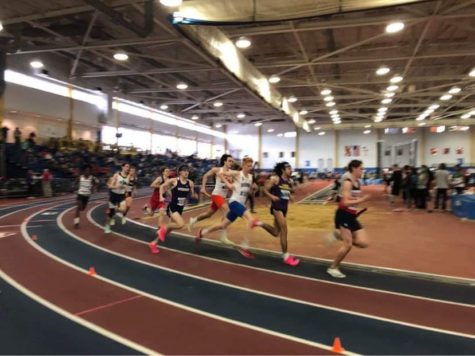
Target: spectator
{"points": [[31, 140], [458, 179], [441, 184], [422, 192], [46, 179], [396, 181], [17, 135], [4, 134]]}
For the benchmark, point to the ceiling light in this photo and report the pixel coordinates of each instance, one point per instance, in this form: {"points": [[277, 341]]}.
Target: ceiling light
{"points": [[321, 133], [312, 121], [337, 122], [218, 126], [241, 115], [396, 79], [36, 64], [280, 135], [472, 72], [182, 86], [326, 92], [367, 126], [164, 107], [1, 26], [465, 116], [218, 104], [389, 95], [386, 101], [383, 109], [367, 132], [434, 107], [195, 117], [421, 124], [378, 119], [270, 130], [317, 128], [121, 56], [335, 117], [171, 3], [274, 79], [328, 98], [382, 71], [234, 132], [392, 88], [455, 90], [292, 99], [243, 42], [446, 97], [333, 112], [421, 117], [330, 104], [394, 27], [303, 112], [258, 124]]}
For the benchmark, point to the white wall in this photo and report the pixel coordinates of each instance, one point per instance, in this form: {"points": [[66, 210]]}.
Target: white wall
{"points": [[450, 140], [367, 147], [314, 148], [243, 141]]}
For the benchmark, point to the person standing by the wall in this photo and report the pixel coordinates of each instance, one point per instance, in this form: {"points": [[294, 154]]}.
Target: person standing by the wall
{"points": [[46, 179], [441, 185]]}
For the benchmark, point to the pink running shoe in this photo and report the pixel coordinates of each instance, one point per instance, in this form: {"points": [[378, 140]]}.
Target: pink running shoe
{"points": [[255, 223], [153, 248], [162, 233], [198, 237], [291, 261], [246, 253]]}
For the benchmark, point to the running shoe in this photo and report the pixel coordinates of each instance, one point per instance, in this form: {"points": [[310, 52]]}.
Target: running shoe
{"points": [[199, 236], [123, 220], [112, 222], [224, 239], [292, 261], [335, 272], [246, 253], [107, 229], [191, 223], [255, 223], [162, 232], [153, 248]]}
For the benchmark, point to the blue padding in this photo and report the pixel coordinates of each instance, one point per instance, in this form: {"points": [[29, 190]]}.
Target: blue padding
{"points": [[464, 206]]}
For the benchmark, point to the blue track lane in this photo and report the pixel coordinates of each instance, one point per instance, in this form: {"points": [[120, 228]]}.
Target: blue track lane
{"points": [[27, 327], [361, 334], [429, 288]]}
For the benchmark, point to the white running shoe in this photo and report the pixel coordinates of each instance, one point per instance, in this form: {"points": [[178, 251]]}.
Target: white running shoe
{"points": [[224, 239], [123, 220], [112, 221], [335, 272], [107, 229], [191, 223]]}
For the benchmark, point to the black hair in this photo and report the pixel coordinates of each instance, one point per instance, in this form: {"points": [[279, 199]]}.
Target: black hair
{"points": [[279, 168], [354, 164], [162, 170], [442, 166], [183, 167], [123, 164], [223, 159], [86, 166]]}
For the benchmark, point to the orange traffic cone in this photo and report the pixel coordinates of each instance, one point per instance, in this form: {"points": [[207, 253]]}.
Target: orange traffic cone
{"points": [[92, 271], [337, 346], [34, 237]]}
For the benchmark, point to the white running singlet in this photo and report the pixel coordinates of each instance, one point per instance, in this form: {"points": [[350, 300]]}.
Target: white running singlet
{"points": [[241, 188]]}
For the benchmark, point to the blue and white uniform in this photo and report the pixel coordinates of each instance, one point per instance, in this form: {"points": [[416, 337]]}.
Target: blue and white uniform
{"points": [[237, 202]]}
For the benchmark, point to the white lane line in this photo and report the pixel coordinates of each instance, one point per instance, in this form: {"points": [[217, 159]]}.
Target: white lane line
{"points": [[76, 319], [346, 311], [177, 305], [215, 243]]}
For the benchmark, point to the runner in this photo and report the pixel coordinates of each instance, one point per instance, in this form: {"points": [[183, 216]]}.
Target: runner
{"points": [[86, 186], [155, 203], [351, 231], [117, 185], [181, 188]]}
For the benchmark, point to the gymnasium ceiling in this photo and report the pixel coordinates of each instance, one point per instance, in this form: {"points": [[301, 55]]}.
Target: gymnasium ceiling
{"points": [[337, 45]]}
